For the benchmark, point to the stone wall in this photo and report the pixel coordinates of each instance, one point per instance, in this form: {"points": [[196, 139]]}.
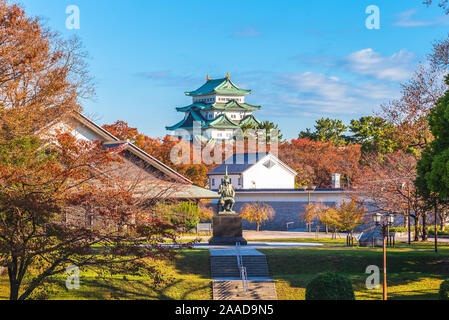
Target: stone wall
{"points": [[285, 212]]}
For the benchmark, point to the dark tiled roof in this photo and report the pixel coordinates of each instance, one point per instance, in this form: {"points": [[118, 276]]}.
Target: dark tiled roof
{"points": [[291, 190], [238, 163]]}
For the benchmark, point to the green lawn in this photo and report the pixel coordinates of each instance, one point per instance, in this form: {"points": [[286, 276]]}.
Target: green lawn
{"points": [[413, 273], [189, 273]]}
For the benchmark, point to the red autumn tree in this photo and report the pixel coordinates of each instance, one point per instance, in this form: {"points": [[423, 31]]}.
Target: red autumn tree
{"points": [[42, 76], [316, 161], [48, 193], [50, 189], [388, 183]]}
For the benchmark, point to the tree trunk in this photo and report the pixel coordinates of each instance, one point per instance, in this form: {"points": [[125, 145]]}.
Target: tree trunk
{"points": [[424, 228], [14, 285], [14, 292], [258, 227], [436, 225], [416, 228], [442, 221]]}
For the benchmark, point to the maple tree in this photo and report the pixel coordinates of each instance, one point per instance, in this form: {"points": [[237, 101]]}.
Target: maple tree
{"points": [[315, 211], [256, 212], [161, 149], [42, 76], [348, 216], [316, 161], [63, 201], [49, 194]]}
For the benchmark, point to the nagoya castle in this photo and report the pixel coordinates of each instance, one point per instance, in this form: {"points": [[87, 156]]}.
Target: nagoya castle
{"points": [[218, 109]]}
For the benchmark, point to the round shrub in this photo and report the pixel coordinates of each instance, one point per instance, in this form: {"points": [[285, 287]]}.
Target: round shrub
{"points": [[444, 290], [330, 286]]}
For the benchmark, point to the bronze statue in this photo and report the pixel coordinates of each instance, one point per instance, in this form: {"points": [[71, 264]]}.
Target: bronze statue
{"points": [[227, 194]]}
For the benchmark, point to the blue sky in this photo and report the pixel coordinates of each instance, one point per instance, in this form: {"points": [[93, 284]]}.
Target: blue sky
{"points": [[302, 59]]}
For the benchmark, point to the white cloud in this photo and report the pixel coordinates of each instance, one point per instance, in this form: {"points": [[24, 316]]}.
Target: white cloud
{"points": [[368, 62], [405, 19], [318, 93]]}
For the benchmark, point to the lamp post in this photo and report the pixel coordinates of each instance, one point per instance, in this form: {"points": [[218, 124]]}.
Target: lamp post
{"points": [[385, 224]]}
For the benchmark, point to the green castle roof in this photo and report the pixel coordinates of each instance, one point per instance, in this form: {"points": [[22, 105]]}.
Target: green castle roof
{"points": [[230, 106], [250, 120], [223, 122], [189, 122], [194, 120], [220, 86]]}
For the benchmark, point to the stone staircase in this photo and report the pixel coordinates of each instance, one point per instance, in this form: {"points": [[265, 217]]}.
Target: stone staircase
{"points": [[226, 266], [233, 290], [227, 284]]}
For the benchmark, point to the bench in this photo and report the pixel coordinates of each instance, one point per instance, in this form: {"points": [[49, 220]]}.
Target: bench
{"points": [[204, 228]]}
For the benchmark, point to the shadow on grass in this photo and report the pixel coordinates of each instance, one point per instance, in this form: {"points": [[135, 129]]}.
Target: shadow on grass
{"points": [[412, 274]]}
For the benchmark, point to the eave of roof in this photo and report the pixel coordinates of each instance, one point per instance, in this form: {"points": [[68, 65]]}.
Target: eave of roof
{"points": [[250, 119], [189, 122], [220, 86], [222, 122], [298, 191], [229, 106], [137, 151], [238, 163]]}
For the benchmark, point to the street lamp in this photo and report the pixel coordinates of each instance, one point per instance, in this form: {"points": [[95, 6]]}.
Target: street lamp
{"points": [[385, 224]]}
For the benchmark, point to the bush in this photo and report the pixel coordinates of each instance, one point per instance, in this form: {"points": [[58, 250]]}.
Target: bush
{"points": [[444, 290], [430, 230], [330, 286], [444, 232]]}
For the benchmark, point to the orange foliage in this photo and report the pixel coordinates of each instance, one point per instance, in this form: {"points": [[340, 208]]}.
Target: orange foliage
{"points": [[315, 161]]}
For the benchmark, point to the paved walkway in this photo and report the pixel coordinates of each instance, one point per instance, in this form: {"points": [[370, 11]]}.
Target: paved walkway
{"points": [[264, 235], [252, 246], [272, 235]]}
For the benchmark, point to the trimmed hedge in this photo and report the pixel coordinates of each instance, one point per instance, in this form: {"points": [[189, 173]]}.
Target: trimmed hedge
{"points": [[430, 230], [330, 286], [444, 290]]}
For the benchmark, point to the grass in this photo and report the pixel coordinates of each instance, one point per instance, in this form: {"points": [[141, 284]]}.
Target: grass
{"points": [[189, 280], [413, 272]]}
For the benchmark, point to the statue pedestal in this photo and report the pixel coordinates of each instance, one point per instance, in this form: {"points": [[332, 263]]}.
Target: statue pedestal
{"points": [[227, 230]]}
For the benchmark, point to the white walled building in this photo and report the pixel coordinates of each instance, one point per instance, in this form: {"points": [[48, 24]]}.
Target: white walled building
{"points": [[254, 171], [262, 177]]}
